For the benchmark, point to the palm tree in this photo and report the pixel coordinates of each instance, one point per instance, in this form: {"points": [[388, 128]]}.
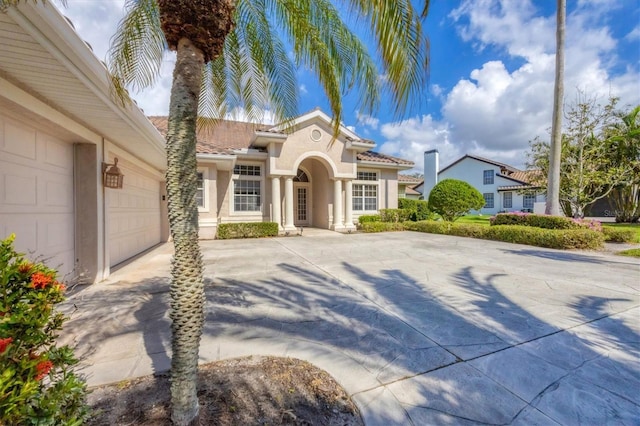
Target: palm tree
{"points": [[230, 55], [552, 206]]}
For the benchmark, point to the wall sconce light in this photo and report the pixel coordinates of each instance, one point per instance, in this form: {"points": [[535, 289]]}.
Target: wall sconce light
{"points": [[112, 176]]}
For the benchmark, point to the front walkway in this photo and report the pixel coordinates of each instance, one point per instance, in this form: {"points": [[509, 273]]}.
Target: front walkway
{"points": [[419, 328]]}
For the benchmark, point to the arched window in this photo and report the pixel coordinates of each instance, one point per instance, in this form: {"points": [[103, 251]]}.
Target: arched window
{"points": [[301, 176]]}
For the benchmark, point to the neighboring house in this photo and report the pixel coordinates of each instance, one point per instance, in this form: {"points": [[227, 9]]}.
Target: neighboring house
{"points": [[58, 126], [504, 188], [296, 176], [406, 184]]}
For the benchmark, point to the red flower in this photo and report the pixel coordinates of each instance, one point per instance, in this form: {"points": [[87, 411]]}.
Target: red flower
{"points": [[43, 368], [25, 268], [40, 280], [4, 343], [61, 287]]}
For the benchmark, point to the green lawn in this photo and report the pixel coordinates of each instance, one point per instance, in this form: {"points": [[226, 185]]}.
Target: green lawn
{"points": [[635, 227], [474, 218], [630, 252]]}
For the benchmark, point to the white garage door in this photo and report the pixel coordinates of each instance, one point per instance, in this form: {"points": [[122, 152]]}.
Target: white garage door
{"points": [[36, 194], [134, 213]]}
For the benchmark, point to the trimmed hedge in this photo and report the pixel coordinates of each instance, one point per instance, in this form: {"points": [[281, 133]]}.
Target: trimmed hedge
{"points": [[614, 235], [394, 215], [370, 227], [517, 234], [419, 209], [544, 221], [365, 218], [228, 231]]}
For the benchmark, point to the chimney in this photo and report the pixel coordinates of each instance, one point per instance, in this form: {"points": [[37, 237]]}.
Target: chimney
{"points": [[431, 168]]}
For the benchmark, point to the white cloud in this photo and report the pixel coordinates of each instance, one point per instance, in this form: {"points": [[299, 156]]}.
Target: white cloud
{"points": [[633, 35], [495, 112], [367, 121], [303, 89]]}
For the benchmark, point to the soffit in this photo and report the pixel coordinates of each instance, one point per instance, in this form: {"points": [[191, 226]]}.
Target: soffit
{"points": [[41, 54]]}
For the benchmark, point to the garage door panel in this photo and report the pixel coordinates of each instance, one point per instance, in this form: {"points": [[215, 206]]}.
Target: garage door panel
{"points": [[36, 194], [134, 214]]}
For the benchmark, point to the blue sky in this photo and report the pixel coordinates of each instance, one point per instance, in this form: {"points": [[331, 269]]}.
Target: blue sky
{"points": [[492, 69]]}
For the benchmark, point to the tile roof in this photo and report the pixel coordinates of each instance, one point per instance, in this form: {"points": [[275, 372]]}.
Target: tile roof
{"points": [[411, 191], [504, 166], [227, 136], [382, 158], [524, 179], [408, 179]]}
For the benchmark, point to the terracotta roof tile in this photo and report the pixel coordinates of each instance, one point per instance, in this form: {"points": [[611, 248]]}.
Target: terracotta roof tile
{"points": [[411, 191], [408, 179], [224, 137], [377, 157]]}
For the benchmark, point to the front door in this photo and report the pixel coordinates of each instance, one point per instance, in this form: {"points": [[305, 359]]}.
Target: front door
{"points": [[301, 206]]}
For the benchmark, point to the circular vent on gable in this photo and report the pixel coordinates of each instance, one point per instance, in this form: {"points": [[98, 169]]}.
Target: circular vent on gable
{"points": [[316, 135]]}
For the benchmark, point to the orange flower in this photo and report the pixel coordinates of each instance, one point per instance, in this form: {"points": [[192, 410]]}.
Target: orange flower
{"points": [[43, 368], [61, 287], [4, 343], [25, 268], [40, 280]]}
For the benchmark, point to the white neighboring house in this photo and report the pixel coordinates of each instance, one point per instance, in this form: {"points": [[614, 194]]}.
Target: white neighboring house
{"points": [[58, 127], [406, 186], [504, 188]]}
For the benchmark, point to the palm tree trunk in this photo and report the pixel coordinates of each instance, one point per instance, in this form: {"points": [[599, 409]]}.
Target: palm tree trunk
{"points": [[187, 287], [552, 206]]}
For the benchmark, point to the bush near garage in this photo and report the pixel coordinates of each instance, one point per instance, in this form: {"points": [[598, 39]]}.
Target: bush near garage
{"points": [[419, 209], [228, 231], [38, 384], [452, 199]]}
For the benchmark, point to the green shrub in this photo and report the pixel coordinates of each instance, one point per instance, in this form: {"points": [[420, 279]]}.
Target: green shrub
{"points": [[369, 218], [228, 231], [453, 198], [630, 252], [394, 215], [419, 209], [552, 238], [517, 234], [544, 221], [381, 226], [614, 235], [38, 384]]}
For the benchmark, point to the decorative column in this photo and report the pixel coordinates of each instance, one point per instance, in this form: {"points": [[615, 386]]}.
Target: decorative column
{"points": [[348, 204], [288, 204], [337, 204], [276, 202]]}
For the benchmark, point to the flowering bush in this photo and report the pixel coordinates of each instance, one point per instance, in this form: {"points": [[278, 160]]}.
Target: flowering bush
{"points": [[37, 381]]}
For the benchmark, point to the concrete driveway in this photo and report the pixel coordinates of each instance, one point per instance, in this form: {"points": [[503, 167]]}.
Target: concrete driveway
{"points": [[420, 329]]}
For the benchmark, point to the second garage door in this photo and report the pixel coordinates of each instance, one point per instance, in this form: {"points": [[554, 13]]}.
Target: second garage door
{"points": [[134, 213]]}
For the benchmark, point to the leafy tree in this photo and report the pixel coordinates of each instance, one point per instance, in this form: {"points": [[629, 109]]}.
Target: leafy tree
{"points": [[552, 206], [588, 171], [452, 199], [230, 56], [623, 139]]}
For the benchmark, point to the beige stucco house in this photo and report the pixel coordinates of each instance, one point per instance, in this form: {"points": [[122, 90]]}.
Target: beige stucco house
{"points": [[296, 176], [58, 126]]}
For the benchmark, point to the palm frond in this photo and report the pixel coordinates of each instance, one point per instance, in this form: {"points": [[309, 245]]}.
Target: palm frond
{"points": [[402, 46], [254, 74], [137, 48]]}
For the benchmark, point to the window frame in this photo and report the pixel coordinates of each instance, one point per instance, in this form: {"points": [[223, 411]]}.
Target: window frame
{"points": [[204, 207], [488, 177], [526, 197], [486, 202], [236, 177], [504, 200], [363, 180]]}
